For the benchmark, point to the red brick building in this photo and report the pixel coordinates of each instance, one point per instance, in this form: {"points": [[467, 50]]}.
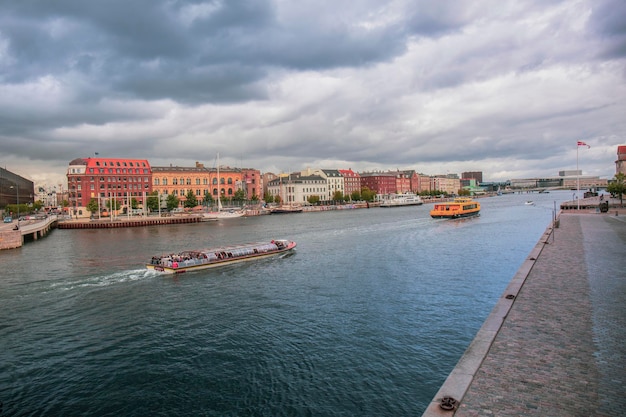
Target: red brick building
{"points": [[620, 164], [379, 182], [351, 182], [105, 178]]}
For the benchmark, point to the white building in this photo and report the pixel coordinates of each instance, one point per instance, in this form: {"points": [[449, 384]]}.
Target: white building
{"points": [[334, 179], [296, 188]]}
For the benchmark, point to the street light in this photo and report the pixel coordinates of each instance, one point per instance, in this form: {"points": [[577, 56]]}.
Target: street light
{"points": [[17, 196]]}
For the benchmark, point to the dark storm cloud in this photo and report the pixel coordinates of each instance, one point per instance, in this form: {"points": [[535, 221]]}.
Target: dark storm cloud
{"points": [[366, 84], [150, 50], [609, 20]]}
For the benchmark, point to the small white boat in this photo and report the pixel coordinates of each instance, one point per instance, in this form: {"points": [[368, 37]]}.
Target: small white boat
{"points": [[192, 260], [401, 200], [529, 203], [220, 215]]}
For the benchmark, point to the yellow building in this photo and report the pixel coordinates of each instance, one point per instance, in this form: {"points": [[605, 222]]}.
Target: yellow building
{"points": [[200, 180]]}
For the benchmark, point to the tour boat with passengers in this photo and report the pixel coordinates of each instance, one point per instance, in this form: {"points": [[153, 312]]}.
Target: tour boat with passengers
{"points": [[457, 208], [192, 260]]}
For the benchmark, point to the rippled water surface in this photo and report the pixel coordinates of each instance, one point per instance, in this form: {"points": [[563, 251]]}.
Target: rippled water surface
{"points": [[367, 318]]}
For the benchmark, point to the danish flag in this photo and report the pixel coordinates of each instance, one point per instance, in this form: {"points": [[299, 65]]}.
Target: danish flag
{"points": [[581, 143]]}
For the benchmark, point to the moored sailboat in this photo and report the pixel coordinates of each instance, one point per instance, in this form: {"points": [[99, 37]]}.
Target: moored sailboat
{"points": [[220, 214]]}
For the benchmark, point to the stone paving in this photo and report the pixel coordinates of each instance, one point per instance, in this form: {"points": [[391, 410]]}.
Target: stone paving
{"points": [[560, 350]]}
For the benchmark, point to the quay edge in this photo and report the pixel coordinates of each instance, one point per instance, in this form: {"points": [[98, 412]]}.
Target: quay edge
{"points": [[458, 381]]}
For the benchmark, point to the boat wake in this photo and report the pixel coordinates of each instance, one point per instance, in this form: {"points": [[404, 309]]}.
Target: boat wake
{"points": [[104, 280]]}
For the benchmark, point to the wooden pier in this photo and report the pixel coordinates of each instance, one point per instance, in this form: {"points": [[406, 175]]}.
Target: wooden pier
{"points": [[117, 223]]}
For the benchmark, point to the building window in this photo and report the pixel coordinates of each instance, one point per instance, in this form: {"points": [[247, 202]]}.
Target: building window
{"points": [[164, 181]]}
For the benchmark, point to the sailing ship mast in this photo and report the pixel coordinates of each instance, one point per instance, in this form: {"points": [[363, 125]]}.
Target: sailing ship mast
{"points": [[219, 201]]}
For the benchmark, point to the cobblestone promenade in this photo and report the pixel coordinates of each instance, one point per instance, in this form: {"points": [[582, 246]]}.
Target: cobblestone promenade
{"points": [[561, 349]]}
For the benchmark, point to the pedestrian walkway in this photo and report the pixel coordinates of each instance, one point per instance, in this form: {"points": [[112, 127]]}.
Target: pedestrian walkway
{"points": [[558, 348]]}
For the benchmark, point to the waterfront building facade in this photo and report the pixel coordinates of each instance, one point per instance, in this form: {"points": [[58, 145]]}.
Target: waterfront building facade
{"points": [[200, 181], [445, 183], [351, 182], [403, 182], [334, 179], [414, 181], [379, 182], [266, 178], [297, 188], [620, 163], [571, 179], [475, 175], [107, 178], [15, 189]]}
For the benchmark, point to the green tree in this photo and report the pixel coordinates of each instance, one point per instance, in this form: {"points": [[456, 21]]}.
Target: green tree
{"points": [[313, 199], [208, 198], [92, 206], [617, 187], [367, 194], [338, 196], [134, 204], [17, 208], [152, 201], [172, 202], [240, 195], [190, 199], [356, 196], [268, 198]]}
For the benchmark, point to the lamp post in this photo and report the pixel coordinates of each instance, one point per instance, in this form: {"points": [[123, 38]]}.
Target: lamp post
{"points": [[17, 199]]}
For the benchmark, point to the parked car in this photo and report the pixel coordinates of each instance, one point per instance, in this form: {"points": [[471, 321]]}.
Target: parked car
{"points": [[8, 219]]}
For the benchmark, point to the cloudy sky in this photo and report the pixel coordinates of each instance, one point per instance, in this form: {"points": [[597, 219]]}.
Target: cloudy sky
{"points": [[500, 86]]}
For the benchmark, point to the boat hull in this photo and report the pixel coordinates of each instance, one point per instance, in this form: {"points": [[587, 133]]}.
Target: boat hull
{"points": [[221, 215], [388, 205], [182, 268], [456, 216], [285, 210]]}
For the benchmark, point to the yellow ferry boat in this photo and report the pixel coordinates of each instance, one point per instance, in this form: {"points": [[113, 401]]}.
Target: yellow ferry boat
{"points": [[459, 207]]}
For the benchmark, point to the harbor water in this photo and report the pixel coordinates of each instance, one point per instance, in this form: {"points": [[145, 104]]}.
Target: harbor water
{"points": [[366, 318]]}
